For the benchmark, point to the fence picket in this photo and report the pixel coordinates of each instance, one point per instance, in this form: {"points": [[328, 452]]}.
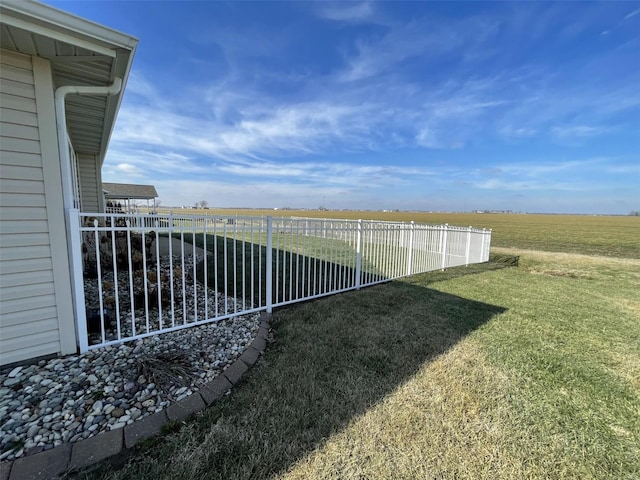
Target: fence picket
{"points": [[269, 266]]}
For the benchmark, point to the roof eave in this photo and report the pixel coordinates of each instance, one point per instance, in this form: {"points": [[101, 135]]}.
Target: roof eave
{"points": [[65, 27], [67, 24], [113, 107]]}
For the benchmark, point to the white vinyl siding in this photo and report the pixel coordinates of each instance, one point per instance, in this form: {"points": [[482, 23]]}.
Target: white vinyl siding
{"points": [[88, 173], [32, 294], [26, 276]]}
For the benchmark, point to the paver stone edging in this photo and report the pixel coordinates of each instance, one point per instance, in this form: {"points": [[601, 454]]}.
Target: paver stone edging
{"points": [[71, 456]]}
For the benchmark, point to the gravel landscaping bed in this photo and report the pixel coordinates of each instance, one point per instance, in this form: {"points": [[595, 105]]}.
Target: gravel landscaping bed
{"points": [[72, 398]]}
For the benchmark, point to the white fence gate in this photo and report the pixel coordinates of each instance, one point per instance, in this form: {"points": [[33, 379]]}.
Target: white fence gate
{"points": [[143, 275]]}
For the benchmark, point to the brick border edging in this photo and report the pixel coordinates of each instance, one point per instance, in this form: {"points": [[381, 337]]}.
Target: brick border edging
{"points": [[81, 454]]}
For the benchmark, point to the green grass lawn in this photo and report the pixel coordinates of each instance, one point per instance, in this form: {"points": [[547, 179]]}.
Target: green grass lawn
{"points": [[476, 372]]}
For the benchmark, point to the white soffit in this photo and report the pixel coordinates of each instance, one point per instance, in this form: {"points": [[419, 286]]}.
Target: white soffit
{"points": [[81, 53]]}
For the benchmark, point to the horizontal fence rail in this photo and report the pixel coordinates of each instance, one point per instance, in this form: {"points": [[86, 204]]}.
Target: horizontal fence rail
{"points": [[140, 275]]}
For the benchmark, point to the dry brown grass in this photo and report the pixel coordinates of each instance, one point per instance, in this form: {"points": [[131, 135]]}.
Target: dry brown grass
{"points": [[512, 373], [575, 265], [449, 421]]}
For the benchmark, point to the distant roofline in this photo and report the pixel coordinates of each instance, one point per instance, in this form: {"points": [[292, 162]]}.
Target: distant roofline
{"points": [[126, 191]]}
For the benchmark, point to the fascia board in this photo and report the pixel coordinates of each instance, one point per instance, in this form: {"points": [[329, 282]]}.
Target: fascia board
{"points": [[59, 25]]}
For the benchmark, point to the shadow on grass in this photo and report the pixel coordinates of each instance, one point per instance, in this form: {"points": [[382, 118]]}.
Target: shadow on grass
{"points": [[496, 262], [331, 360]]}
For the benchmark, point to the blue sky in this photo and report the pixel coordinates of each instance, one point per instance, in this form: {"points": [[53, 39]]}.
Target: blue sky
{"points": [[444, 106]]}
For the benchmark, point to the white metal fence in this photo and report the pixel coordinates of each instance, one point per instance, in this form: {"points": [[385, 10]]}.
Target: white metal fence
{"points": [[141, 275]]}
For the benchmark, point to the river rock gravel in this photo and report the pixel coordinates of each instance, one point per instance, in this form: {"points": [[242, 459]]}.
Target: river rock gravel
{"points": [[71, 398]]}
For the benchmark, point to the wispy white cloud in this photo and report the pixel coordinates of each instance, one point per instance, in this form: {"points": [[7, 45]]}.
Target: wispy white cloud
{"points": [[138, 84], [572, 131], [566, 112], [569, 176], [141, 161], [632, 14], [427, 87], [347, 12], [626, 169], [264, 194], [301, 128], [327, 173], [127, 169], [542, 169], [423, 40], [517, 131], [520, 186], [390, 109], [415, 40]]}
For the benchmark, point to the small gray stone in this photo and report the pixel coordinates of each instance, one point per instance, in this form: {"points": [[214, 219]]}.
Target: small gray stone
{"points": [[130, 387], [74, 426], [117, 412], [57, 426], [10, 382], [88, 421], [135, 413], [33, 430]]}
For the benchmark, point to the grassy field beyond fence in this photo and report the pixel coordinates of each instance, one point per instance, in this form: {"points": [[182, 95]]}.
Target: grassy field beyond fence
{"points": [[529, 372], [610, 236]]}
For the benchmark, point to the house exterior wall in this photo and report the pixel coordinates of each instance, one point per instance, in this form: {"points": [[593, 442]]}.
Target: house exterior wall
{"points": [[36, 308], [89, 176]]}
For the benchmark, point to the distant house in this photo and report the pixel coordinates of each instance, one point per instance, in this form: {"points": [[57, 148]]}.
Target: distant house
{"points": [[61, 84], [123, 194]]}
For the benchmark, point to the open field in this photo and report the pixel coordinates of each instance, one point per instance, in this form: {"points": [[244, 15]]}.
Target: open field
{"points": [[610, 236], [477, 372]]}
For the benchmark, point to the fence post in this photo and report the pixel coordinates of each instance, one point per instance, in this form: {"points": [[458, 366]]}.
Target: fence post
{"points": [[77, 279], [359, 255], [466, 256], [410, 256], [269, 260], [445, 230], [486, 246]]}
